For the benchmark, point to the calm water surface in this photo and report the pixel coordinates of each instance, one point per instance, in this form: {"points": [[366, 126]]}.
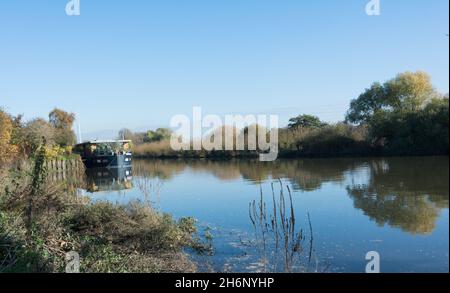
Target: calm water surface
{"points": [[395, 206]]}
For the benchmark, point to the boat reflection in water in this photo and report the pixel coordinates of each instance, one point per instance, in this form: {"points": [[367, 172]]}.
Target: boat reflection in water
{"points": [[109, 179]]}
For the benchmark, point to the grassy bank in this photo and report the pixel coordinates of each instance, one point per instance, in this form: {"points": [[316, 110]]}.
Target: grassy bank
{"points": [[337, 140], [41, 223], [331, 141]]}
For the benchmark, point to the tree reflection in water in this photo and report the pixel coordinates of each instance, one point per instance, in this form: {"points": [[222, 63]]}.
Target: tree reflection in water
{"points": [[406, 193]]}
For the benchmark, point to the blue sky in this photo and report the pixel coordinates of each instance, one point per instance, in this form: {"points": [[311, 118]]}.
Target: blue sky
{"points": [[137, 63]]}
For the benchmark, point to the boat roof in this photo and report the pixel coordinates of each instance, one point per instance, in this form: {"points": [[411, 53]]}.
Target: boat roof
{"points": [[106, 141]]}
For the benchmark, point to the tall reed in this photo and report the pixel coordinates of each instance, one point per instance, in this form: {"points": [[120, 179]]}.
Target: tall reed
{"points": [[282, 246]]}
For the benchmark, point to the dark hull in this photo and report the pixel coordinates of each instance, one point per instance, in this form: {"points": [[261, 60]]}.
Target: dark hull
{"points": [[113, 161]]}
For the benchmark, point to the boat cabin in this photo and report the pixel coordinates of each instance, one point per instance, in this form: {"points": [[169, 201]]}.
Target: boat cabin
{"points": [[105, 153]]}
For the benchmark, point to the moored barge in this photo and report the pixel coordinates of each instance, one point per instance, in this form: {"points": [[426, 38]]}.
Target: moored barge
{"points": [[105, 153]]}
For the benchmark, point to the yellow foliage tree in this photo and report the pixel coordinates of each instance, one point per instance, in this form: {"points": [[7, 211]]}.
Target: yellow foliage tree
{"points": [[7, 150]]}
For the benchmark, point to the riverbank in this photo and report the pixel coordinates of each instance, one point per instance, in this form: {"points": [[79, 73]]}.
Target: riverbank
{"points": [[168, 154], [39, 225], [340, 140]]}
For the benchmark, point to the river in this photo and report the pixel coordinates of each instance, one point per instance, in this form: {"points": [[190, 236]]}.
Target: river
{"points": [[341, 210]]}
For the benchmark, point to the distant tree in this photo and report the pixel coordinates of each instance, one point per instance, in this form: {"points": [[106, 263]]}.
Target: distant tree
{"points": [[159, 135], [136, 137], [126, 134], [164, 133], [407, 92], [61, 119], [62, 122], [139, 138], [306, 121], [151, 136]]}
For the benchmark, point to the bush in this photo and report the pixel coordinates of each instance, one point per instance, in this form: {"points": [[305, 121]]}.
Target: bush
{"points": [[330, 140], [155, 149], [7, 150], [423, 132], [108, 237]]}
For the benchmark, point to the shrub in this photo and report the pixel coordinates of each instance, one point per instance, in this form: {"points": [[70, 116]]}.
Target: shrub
{"points": [[155, 149], [7, 150], [335, 139], [108, 237]]}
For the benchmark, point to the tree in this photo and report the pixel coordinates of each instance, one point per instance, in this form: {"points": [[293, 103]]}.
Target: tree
{"points": [[405, 115], [62, 121], [38, 128], [367, 104], [421, 132], [136, 137], [7, 149], [159, 135], [126, 134], [305, 121], [34, 131], [407, 92]]}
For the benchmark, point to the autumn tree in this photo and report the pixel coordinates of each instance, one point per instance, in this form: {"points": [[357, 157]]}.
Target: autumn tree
{"points": [[61, 119], [407, 92], [7, 149], [33, 132], [62, 122], [405, 115]]}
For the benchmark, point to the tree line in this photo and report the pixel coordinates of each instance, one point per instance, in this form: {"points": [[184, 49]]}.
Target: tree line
{"points": [[22, 139], [402, 116]]}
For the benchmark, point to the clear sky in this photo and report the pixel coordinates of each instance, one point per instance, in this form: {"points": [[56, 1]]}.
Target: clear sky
{"points": [[135, 64]]}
